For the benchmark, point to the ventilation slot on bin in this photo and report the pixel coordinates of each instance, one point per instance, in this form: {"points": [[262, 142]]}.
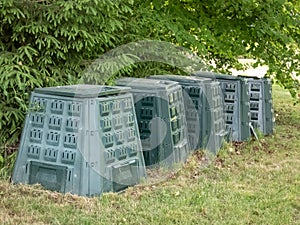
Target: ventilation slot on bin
{"points": [[74, 108], [36, 135], [54, 122], [192, 115], [146, 113], [145, 139], [117, 121], [173, 111], [108, 140], [174, 124], [129, 118], [254, 105], [176, 137], [57, 106], [131, 134], [120, 137], [72, 125], [254, 96], [33, 151], [229, 107], [171, 98], [255, 87], [254, 116], [116, 106], [229, 97], [110, 156], [148, 101], [69, 178], [144, 126], [230, 87], [122, 153], [194, 92], [105, 124], [68, 156], [38, 105], [229, 118], [70, 140], [132, 150], [216, 102], [53, 138], [37, 120], [127, 104], [104, 108], [50, 154]]}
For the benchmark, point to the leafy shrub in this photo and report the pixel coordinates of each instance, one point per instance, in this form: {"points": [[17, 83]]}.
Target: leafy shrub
{"points": [[51, 42], [48, 43], [7, 162]]}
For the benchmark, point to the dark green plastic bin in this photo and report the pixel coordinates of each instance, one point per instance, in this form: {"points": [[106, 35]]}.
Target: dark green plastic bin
{"points": [[261, 104], [236, 104], [204, 110], [161, 118], [81, 139]]}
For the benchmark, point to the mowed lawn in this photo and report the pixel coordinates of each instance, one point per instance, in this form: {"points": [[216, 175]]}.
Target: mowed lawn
{"points": [[257, 182]]}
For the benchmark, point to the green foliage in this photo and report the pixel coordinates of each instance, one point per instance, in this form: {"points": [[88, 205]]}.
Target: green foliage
{"points": [[48, 43], [7, 161], [222, 31]]}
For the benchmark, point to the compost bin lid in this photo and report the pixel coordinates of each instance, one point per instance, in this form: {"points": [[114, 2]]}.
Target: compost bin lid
{"points": [[213, 75], [82, 90], [188, 80], [143, 83]]}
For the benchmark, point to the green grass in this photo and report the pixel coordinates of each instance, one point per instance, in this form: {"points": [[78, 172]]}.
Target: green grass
{"points": [[248, 183]]}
